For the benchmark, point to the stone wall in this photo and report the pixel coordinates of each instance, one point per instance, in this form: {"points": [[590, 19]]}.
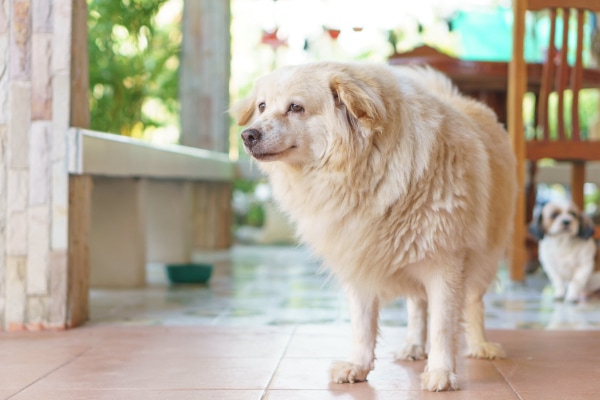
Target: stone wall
{"points": [[36, 93]]}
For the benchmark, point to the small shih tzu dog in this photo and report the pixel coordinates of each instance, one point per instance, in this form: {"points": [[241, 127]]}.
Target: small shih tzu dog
{"points": [[566, 248]]}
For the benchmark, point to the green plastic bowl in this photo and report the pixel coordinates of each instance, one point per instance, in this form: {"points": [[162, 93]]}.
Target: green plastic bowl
{"points": [[189, 273]]}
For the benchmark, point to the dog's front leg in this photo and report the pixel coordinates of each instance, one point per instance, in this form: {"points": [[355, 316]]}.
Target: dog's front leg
{"points": [[576, 287], [558, 284], [444, 290], [364, 314]]}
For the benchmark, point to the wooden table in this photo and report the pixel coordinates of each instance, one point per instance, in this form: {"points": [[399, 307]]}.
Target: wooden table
{"points": [[486, 81]]}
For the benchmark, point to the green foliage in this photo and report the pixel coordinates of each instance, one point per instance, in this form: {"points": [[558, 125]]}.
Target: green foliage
{"points": [[131, 61], [244, 185], [588, 106], [255, 214]]}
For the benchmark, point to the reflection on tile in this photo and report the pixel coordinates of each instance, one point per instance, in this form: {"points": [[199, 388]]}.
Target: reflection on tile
{"points": [[281, 286]]}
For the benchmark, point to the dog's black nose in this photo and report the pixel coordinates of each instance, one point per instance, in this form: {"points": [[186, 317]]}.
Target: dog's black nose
{"points": [[566, 222], [251, 137]]}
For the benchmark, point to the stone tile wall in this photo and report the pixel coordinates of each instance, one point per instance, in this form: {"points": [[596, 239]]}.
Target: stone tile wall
{"points": [[35, 54]]}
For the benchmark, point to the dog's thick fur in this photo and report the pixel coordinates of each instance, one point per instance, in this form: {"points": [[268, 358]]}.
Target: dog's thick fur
{"points": [[402, 186], [566, 248]]}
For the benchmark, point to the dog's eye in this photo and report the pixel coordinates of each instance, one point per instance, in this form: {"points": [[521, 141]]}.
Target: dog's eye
{"points": [[573, 214], [554, 214], [296, 108], [261, 107]]}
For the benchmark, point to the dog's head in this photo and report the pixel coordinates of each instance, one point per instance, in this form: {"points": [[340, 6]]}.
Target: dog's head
{"points": [[561, 218], [299, 114]]}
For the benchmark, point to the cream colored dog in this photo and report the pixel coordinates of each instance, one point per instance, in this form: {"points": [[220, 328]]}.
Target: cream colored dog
{"points": [[566, 248], [402, 186]]}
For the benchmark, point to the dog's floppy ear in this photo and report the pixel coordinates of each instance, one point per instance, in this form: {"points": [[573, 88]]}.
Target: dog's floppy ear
{"points": [[363, 103], [243, 110], [586, 226], [536, 227]]}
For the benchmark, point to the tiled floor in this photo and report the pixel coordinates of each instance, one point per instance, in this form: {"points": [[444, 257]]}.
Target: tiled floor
{"points": [[268, 326]]}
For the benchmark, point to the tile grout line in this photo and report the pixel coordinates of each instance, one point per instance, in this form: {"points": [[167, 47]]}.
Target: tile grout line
{"points": [[506, 380], [77, 356], [283, 353]]}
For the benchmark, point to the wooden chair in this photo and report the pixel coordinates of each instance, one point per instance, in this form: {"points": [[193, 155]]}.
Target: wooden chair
{"points": [[568, 144]]}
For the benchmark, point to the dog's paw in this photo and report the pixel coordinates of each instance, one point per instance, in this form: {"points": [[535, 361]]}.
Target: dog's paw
{"points": [[486, 351], [346, 372], [411, 352], [439, 380]]}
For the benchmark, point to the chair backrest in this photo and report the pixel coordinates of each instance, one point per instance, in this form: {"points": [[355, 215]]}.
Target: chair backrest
{"points": [[557, 75]]}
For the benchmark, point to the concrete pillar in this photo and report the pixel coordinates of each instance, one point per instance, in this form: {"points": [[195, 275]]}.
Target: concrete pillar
{"points": [[204, 79]]}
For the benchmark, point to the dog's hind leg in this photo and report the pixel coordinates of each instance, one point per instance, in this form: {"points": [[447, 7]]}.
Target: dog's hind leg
{"points": [[364, 315], [473, 317], [416, 338], [477, 344], [443, 284]]}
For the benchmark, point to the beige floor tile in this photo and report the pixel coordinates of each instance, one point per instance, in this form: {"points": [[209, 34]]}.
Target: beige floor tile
{"points": [[549, 345], [119, 371], [363, 391], [551, 361], [551, 376], [6, 393], [563, 395], [302, 373], [33, 355], [67, 394], [196, 343], [337, 343]]}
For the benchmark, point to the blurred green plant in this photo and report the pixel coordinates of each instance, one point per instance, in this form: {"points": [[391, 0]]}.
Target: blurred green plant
{"points": [[254, 215], [589, 100], [133, 62]]}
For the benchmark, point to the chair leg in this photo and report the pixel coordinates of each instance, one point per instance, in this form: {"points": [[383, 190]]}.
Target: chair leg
{"points": [[577, 182], [518, 258], [531, 191], [531, 244]]}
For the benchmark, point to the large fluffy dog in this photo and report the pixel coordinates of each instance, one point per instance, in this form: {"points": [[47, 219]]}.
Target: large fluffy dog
{"points": [[566, 248], [402, 186]]}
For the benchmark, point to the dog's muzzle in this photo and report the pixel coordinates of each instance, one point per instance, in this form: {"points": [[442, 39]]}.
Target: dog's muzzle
{"points": [[251, 137]]}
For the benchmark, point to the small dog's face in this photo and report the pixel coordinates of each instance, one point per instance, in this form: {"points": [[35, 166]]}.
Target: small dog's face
{"points": [[561, 218]]}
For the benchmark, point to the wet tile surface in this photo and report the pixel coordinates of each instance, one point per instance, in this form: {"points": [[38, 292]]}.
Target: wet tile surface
{"points": [[269, 325], [279, 286]]}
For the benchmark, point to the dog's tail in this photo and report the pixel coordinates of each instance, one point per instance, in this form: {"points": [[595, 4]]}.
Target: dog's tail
{"points": [[435, 81]]}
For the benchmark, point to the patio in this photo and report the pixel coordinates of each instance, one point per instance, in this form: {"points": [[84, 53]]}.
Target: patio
{"points": [[268, 325]]}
